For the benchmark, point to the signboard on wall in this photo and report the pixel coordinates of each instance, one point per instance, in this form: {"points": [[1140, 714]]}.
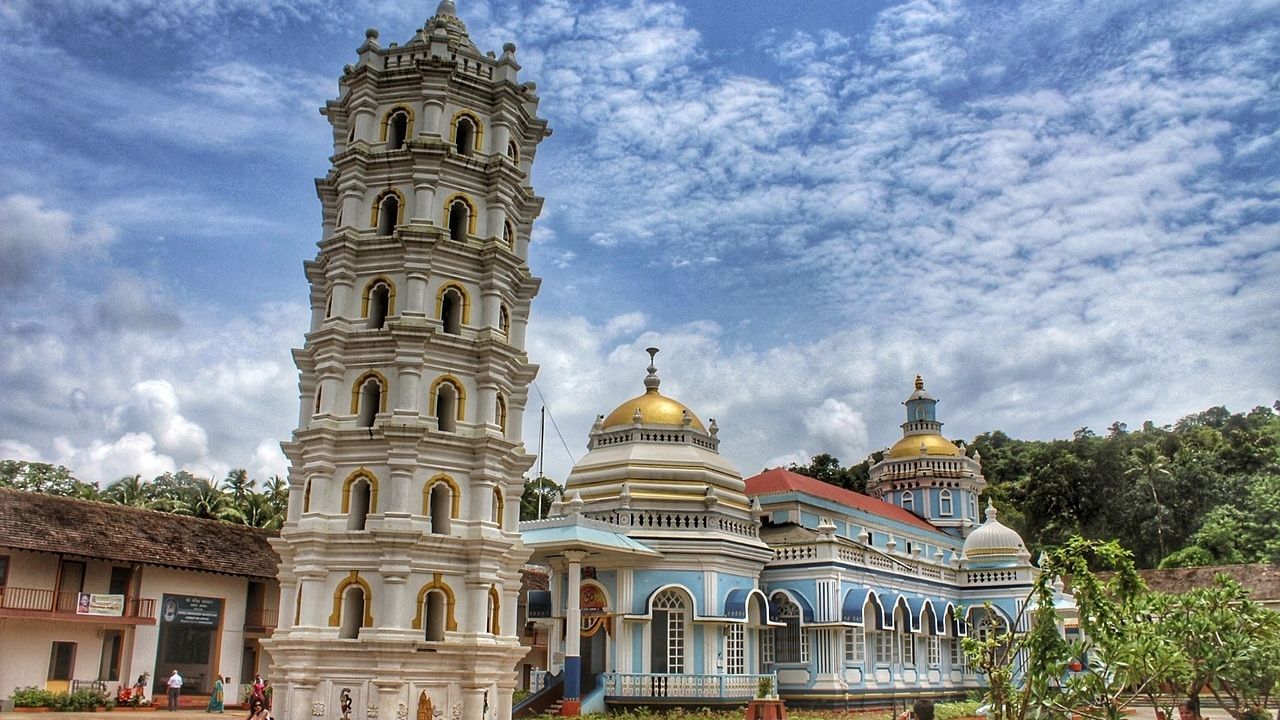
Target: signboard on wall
{"points": [[95, 604], [191, 610]]}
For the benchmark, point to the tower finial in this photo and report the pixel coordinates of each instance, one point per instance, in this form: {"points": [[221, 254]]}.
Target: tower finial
{"points": [[446, 8], [651, 380], [919, 383]]}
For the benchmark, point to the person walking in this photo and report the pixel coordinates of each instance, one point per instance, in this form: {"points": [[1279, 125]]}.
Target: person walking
{"points": [[215, 697], [174, 683]]}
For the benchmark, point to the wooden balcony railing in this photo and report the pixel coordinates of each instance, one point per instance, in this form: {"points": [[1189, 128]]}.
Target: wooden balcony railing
{"points": [[43, 602], [261, 620]]}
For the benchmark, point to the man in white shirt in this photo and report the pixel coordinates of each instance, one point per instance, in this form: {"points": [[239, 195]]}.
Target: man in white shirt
{"points": [[175, 687]]}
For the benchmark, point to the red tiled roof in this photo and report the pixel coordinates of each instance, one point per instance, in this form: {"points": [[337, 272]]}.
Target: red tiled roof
{"points": [[55, 524], [779, 480]]}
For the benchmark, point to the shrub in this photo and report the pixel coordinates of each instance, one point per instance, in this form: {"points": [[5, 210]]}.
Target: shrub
{"points": [[31, 697], [953, 710]]}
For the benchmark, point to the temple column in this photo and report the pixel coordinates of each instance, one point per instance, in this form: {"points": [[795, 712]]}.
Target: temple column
{"points": [[572, 706]]}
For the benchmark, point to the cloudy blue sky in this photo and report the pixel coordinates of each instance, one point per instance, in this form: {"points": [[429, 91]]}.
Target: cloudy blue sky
{"points": [[1060, 213]]}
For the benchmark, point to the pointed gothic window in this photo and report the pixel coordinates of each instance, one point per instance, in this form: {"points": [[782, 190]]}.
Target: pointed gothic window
{"points": [[388, 213], [908, 501], [944, 503]]}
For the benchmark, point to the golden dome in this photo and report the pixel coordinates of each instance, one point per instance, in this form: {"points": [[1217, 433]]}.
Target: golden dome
{"points": [[655, 409], [934, 444]]}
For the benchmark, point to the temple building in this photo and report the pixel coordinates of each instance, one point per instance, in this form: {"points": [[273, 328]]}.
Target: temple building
{"points": [[400, 558], [676, 582]]}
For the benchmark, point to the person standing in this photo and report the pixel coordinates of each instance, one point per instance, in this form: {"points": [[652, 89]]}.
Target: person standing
{"points": [[174, 683], [215, 698], [921, 710]]}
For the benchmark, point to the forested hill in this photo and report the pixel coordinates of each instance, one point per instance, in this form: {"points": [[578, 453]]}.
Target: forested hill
{"points": [[1203, 491]]}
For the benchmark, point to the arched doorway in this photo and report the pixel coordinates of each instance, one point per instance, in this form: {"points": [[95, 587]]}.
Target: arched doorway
{"points": [[594, 647]]}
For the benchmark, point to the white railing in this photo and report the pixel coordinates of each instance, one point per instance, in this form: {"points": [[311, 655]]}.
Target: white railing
{"points": [[897, 563], [537, 679], [664, 685]]}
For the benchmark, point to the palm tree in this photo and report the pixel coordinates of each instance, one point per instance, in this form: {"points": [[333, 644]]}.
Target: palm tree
{"points": [[129, 490], [1146, 463], [239, 485], [206, 499]]}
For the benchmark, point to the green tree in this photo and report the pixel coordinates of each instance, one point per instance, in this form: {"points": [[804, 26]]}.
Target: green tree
{"points": [[204, 498], [1150, 467], [539, 492], [827, 468], [44, 478], [238, 485], [130, 490]]}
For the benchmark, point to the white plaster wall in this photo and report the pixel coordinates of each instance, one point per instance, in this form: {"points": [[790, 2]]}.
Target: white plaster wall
{"points": [[156, 582], [26, 645]]}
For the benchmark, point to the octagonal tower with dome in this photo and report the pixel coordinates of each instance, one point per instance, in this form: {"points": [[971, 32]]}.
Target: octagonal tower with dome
{"points": [[927, 474]]}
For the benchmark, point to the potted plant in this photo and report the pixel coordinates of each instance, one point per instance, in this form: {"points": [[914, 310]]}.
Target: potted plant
{"points": [[764, 688]]}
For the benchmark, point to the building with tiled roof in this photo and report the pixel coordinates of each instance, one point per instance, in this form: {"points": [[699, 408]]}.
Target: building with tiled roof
{"points": [[94, 594]]}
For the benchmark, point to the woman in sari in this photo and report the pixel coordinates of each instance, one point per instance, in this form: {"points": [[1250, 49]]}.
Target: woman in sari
{"points": [[215, 698]]}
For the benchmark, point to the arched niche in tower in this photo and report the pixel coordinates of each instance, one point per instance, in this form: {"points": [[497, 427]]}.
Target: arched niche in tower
{"points": [[388, 211], [504, 320], [453, 308], [397, 127], [441, 503], [494, 624], [500, 413], [467, 133], [352, 600], [435, 613], [513, 151], [368, 397], [359, 498], [509, 234], [378, 302], [460, 217], [499, 507]]}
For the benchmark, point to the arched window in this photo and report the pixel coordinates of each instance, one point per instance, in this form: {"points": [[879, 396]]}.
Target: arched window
{"points": [[509, 234], [504, 320], [351, 603], [435, 610], [513, 151], [359, 498], [368, 398], [499, 506], [453, 307], [460, 216], [378, 302], [448, 403], [396, 127], [306, 498], [494, 624], [500, 413], [388, 211], [668, 630], [791, 642], [908, 501], [944, 503], [441, 502], [467, 132], [906, 641], [351, 135], [319, 397]]}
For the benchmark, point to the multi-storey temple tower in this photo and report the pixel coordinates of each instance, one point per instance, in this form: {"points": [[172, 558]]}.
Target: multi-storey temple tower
{"points": [[400, 558]]}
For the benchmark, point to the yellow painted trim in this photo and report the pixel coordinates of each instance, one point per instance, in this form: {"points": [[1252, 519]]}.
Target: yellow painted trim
{"points": [[455, 495], [500, 504], [457, 386], [368, 290], [477, 138], [377, 205], [495, 613], [335, 619], [500, 408], [437, 583], [472, 212], [466, 301], [359, 383], [386, 121], [360, 474]]}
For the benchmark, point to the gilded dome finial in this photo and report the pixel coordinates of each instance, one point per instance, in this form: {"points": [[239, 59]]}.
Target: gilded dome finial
{"points": [[651, 381], [919, 383]]}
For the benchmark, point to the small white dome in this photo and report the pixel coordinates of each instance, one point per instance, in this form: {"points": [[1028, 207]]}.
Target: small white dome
{"points": [[993, 539]]}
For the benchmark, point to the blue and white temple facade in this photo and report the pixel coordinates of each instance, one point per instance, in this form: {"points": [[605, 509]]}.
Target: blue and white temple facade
{"points": [[675, 581]]}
